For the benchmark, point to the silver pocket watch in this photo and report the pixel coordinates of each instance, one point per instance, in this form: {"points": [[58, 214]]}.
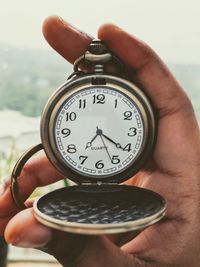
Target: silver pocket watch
{"points": [[98, 129]]}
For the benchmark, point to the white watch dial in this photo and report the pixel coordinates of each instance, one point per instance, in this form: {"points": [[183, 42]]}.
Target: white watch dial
{"points": [[99, 131]]}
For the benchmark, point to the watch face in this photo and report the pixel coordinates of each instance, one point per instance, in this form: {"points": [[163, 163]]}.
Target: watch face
{"points": [[98, 131]]}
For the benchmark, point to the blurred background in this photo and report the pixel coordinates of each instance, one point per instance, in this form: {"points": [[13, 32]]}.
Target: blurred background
{"points": [[30, 70]]}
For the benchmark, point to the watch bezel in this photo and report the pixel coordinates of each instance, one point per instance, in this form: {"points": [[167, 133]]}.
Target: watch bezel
{"points": [[77, 84]]}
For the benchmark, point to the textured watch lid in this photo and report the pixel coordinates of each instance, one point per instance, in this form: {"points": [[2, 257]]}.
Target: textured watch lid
{"points": [[100, 209]]}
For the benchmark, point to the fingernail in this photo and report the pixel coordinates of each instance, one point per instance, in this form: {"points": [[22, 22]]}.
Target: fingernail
{"points": [[116, 27], [113, 26], [69, 25], [62, 20], [66, 24], [37, 237]]}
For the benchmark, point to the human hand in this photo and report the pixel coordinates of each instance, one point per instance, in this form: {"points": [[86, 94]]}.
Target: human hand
{"points": [[173, 171]]}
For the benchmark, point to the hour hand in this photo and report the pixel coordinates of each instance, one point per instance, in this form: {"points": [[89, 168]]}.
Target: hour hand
{"points": [[109, 139], [90, 143]]}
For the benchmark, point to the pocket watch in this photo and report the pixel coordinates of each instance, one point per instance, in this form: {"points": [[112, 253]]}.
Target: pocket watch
{"points": [[98, 129]]}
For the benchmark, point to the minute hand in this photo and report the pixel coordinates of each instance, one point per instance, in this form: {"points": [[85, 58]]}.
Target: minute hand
{"points": [[117, 144]]}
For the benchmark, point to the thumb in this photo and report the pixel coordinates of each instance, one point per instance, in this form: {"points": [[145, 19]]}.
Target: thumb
{"points": [[70, 249]]}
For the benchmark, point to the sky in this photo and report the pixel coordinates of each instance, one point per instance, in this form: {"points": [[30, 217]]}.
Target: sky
{"points": [[171, 28]]}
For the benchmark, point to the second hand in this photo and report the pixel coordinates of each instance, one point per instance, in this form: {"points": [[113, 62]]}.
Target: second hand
{"points": [[106, 148]]}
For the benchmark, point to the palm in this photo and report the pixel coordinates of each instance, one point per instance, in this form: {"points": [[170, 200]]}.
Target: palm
{"points": [[169, 173]]}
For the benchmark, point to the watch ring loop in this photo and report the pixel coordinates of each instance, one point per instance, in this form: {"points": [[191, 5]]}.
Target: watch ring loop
{"points": [[14, 188], [82, 59], [77, 62]]}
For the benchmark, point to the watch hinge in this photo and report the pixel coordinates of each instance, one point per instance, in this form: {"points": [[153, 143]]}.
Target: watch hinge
{"points": [[99, 183]]}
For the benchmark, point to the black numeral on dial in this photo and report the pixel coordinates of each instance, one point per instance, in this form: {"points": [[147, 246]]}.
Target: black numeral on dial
{"points": [[99, 99], [115, 160], [71, 148], [83, 159], [82, 103], [115, 103], [99, 164], [70, 116], [132, 131], [128, 115], [127, 147], [66, 132]]}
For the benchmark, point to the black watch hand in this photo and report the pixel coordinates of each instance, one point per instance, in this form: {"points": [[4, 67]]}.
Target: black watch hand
{"points": [[117, 144], [105, 147], [90, 143], [98, 132]]}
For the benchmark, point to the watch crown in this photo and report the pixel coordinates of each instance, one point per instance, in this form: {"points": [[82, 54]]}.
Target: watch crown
{"points": [[97, 47]]}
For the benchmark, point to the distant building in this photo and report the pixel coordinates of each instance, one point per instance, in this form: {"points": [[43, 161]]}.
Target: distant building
{"points": [[17, 129]]}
